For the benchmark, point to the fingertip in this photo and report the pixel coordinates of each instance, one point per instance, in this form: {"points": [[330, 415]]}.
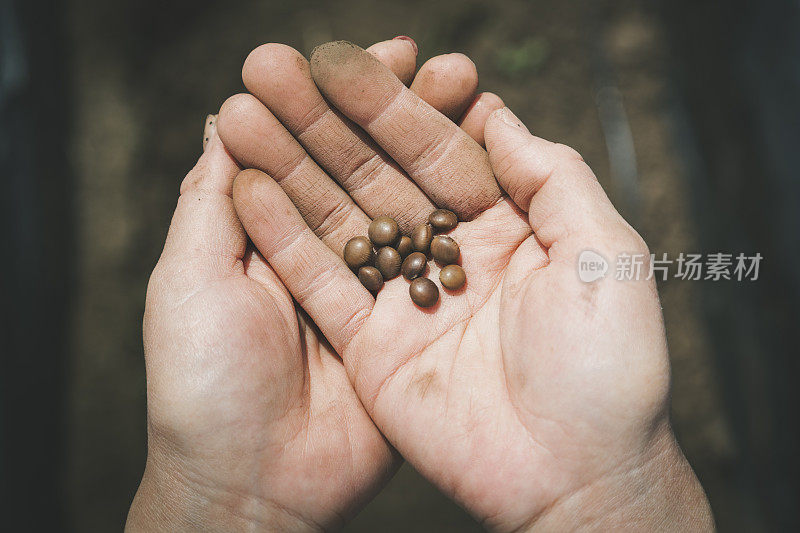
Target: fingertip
{"points": [[511, 119], [496, 116], [487, 100], [214, 149], [216, 168], [333, 53], [209, 128], [244, 183], [270, 54], [492, 100], [503, 125], [463, 62], [274, 67], [446, 64], [448, 83], [474, 119], [243, 124], [490, 128], [409, 40], [399, 55], [231, 112], [353, 80]]}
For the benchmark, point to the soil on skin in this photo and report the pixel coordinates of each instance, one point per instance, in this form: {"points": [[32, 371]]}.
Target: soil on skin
{"points": [[146, 74]]}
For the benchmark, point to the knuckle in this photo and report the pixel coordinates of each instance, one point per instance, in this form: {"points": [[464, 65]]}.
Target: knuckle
{"points": [[562, 151], [630, 241], [520, 186], [193, 178], [335, 218], [366, 171]]}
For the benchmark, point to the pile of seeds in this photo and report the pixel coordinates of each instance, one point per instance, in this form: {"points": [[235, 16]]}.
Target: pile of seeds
{"points": [[387, 253]]}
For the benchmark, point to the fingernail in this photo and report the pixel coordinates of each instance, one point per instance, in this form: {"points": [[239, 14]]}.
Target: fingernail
{"points": [[511, 119], [208, 130], [409, 39]]}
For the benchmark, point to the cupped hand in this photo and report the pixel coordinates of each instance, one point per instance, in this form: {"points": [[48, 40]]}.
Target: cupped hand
{"points": [[530, 397], [252, 420]]}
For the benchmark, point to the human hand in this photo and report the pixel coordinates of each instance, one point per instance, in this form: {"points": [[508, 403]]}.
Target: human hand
{"points": [[252, 421], [531, 398]]}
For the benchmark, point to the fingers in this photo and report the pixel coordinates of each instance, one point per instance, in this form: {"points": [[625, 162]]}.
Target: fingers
{"points": [[443, 160], [205, 236], [474, 119], [258, 140], [550, 181], [216, 169], [395, 55], [280, 78], [318, 279], [208, 129], [448, 83]]}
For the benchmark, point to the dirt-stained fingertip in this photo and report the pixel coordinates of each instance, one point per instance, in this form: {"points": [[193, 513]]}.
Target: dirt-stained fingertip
{"points": [[334, 50]]}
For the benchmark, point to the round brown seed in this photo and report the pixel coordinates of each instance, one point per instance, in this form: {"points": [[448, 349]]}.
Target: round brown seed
{"points": [[388, 261], [371, 278], [452, 277], [358, 252], [444, 249], [421, 238], [404, 246], [443, 220], [423, 292], [414, 265], [384, 231]]}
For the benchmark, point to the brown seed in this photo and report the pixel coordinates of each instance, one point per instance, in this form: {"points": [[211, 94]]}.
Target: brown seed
{"points": [[414, 265], [421, 238], [388, 261], [358, 252], [371, 278], [445, 250], [452, 277], [443, 220], [404, 246], [423, 292], [384, 231]]}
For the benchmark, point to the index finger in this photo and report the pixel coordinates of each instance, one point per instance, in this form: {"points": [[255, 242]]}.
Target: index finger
{"points": [[440, 157]]}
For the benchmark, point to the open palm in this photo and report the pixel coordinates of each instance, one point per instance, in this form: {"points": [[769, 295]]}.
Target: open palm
{"points": [[244, 393], [525, 390], [252, 418]]}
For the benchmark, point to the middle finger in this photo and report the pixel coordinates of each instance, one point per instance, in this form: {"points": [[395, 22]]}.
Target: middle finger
{"points": [[442, 159]]}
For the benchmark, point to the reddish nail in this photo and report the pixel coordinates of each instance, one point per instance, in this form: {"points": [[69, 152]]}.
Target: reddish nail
{"points": [[409, 39]]}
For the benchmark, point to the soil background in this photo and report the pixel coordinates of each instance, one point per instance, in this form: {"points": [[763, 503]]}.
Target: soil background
{"points": [[679, 109]]}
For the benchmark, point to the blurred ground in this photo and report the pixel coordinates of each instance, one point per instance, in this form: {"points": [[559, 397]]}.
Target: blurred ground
{"points": [[145, 74]]}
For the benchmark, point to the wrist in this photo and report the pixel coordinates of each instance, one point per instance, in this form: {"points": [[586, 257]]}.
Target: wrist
{"points": [[658, 491], [167, 500]]}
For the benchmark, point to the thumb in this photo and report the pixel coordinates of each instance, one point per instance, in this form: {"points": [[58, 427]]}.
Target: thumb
{"points": [[205, 237], [552, 183]]}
